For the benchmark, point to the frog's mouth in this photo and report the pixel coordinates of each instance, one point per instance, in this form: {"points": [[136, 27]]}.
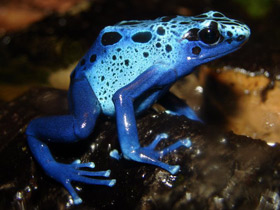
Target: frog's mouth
{"points": [[225, 53], [218, 55]]}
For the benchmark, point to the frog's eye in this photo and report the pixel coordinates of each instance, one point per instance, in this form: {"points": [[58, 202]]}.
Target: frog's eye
{"points": [[210, 35]]}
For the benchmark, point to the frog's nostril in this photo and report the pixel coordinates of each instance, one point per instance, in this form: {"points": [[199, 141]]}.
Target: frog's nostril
{"points": [[240, 38]]}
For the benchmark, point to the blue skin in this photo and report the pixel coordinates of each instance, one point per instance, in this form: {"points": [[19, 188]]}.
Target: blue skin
{"points": [[128, 68]]}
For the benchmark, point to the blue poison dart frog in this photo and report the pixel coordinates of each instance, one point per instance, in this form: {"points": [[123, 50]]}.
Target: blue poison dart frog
{"points": [[128, 68]]}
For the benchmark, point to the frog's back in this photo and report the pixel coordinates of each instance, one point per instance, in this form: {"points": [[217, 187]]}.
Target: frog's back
{"points": [[124, 51]]}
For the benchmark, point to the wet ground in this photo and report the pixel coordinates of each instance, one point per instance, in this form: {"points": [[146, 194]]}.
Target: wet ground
{"points": [[220, 171]]}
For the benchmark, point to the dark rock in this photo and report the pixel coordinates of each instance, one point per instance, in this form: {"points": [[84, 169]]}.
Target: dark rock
{"points": [[220, 171]]}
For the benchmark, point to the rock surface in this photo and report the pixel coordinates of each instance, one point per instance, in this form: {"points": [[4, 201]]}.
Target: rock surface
{"points": [[220, 170]]}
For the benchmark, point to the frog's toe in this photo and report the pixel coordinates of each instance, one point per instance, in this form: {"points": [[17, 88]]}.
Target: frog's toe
{"points": [[173, 169], [187, 112], [149, 155], [78, 164], [184, 142], [77, 201], [94, 173], [155, 142], [115, 154], [89, 180], [77, 161], [66, 173], [74, 173], [151, 147], [75, 198]]}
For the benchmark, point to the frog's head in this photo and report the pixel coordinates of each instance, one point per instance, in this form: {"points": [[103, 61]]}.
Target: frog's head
{"points": [[212, 35]]}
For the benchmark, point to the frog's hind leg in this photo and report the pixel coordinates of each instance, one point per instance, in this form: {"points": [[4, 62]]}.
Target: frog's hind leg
{"points": [[177, 106], [84, 109]]}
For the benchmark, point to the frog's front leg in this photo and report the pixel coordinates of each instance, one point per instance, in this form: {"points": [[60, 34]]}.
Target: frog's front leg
{"points": [[177, 106], [155, 77], [84, 109]]}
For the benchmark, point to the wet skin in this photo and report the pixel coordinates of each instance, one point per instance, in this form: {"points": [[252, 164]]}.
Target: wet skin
{"points": [[128, 68]]}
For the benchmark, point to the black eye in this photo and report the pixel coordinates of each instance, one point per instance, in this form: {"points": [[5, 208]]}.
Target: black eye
{"points": [[210, 35]]}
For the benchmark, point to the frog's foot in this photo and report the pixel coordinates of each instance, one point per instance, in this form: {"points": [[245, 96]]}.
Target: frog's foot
{"points": [[149, 155], [187, 112], [115, 154], [66, 173]]}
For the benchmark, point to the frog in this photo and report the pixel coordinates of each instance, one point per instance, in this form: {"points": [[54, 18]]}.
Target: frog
{"points": [[129, 67]]}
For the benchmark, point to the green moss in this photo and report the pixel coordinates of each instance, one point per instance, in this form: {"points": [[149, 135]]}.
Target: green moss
{"points": [[256, 8]]}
